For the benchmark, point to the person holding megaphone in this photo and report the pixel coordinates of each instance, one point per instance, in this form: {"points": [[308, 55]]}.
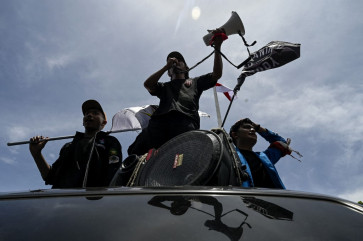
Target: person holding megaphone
{"points": [[179, 99]]}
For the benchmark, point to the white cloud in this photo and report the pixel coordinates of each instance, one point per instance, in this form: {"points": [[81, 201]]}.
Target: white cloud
{"points": [[354, 195], [335, 111], [48, 126], [59, 61], [18, 133], [7, 160], [52, 156]]}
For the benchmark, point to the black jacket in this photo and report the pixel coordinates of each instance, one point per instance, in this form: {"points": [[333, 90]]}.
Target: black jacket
{"points": [[66, 172]]}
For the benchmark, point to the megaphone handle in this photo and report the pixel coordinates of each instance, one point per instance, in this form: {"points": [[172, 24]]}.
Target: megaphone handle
{"points": [[245, 42]]}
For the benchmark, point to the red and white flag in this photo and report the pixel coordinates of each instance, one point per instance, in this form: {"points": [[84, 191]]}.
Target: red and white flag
{"points": [[225, 90]]}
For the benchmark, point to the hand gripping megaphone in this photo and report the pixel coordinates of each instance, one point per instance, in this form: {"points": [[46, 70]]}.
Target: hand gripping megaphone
{"points": [[233, 26]]}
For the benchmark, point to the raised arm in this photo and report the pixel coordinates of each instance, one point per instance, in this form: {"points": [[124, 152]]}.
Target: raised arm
{"points": [[151, 82], [278, 148], [218, 64], [35, 148]]}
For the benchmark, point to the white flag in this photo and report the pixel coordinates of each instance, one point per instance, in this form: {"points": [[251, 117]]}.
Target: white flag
{"points": [[136, 118], [132, 118], [225, 90], [203, 114]]}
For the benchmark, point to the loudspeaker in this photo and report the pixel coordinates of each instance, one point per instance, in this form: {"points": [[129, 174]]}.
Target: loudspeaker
{"points": [[233, 26], [188, 159]]}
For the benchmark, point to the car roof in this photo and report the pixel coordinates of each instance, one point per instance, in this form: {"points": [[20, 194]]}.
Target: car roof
{"points": [[177, 213], [178, 190]]}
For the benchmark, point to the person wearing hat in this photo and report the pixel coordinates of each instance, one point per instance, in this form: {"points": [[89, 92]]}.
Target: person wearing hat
{"points": [[179, 99], [90, 160]]}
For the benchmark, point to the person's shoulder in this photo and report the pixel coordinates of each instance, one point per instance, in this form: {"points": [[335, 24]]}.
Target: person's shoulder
{"points": [[103, 134], [205, 81], [208, 75], [67, 144], [158, 88], [111, 138], [203, 78], [65, 147]]}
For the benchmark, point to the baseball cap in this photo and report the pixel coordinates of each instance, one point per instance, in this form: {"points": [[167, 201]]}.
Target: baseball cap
{"points": [[177, 55], [92, 104]]}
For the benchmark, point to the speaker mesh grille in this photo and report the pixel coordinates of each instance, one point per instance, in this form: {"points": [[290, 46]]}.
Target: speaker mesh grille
{"points": [[188, 159]]}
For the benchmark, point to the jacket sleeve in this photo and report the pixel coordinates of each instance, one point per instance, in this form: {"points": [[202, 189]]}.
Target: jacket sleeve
{"points": [[114, 155], [55, 167], [273, 153]]}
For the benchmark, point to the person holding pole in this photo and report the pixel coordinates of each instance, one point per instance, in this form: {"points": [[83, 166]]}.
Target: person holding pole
{"points": [[179, 99], [259, 165], [90, 160]]}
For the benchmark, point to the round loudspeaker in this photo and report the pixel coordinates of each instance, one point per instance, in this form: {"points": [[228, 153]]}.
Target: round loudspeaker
{"points": [[188, 159]]}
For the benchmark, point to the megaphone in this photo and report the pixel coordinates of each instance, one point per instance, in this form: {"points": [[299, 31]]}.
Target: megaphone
{"points": [[232, 26]]}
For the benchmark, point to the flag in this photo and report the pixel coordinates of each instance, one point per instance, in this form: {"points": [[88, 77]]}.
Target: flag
{"points": [[136, 118], [274, 55], [203, 114], [226, 91]]}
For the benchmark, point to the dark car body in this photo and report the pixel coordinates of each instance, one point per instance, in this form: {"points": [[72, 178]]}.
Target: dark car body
{"points": [[177, 213]]}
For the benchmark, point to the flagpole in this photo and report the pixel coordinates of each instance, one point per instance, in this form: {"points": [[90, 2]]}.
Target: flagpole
{"points": [[219, 119], [240, 80], [229, 107]]}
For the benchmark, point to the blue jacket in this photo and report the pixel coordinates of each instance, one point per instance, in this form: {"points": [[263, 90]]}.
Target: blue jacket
{"points": [[268, 158]]}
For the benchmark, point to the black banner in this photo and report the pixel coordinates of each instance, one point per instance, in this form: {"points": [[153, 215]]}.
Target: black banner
{"points": [[275, 54]]}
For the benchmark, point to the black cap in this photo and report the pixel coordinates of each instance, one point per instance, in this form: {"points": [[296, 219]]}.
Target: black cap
{"points": [[92, 104], [177, 55]]}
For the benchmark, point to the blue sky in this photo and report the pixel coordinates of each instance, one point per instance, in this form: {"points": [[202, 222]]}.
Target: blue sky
{"points": [[54, 55]]}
